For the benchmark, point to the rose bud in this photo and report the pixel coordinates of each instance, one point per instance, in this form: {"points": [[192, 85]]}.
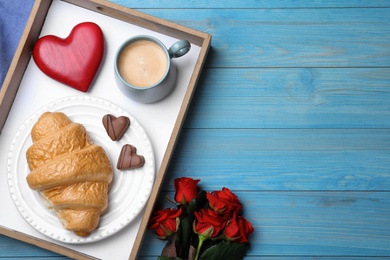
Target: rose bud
{"points": [[246, 229], [232, 230], [165, 222], [238, 229], [208, 223], [186, 190], [224, 202]]}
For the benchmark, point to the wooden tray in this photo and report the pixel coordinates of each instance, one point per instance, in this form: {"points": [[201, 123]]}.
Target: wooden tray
{"points": [[16, 74]]}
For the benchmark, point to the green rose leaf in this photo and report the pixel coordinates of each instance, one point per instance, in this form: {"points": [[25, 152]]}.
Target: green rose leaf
{"points": [[185, 237], [226, 251], [168, 258]]}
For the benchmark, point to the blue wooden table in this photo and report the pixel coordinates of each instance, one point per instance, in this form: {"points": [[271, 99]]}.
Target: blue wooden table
{"points": [[292, 113]]}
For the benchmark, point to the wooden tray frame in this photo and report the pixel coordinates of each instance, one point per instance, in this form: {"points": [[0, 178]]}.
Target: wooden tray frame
{"points": [[21, 59]]}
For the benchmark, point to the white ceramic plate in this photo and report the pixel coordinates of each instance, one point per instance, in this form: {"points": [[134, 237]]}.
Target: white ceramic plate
{"points": [[129, 190]]}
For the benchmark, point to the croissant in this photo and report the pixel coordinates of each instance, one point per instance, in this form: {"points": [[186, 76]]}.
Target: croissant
{"points": [[70, 172]]}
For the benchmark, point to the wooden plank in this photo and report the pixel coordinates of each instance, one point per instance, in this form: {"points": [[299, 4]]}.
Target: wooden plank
{"points": [[277, 159], [254, 4], [292, 98], [291, 37], [12, 248], [311, 224]]}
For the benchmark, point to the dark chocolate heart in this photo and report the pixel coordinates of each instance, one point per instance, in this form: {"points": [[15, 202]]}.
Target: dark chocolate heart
{"points": [[115, 126], [129, 159]]}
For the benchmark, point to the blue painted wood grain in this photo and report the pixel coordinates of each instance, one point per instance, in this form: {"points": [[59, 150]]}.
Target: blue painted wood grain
{"points": [[287, 159], [292, 113], [324, 37], [292, 98]]}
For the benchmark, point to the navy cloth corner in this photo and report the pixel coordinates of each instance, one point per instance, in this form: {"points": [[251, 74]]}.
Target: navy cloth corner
{"points": [[13, 17]]}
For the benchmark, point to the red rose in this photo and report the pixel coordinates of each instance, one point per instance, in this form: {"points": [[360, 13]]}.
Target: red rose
{"points": [[165, 222], [208, 223], [246, 229], [232, 230], [224, 202], [186, 190], [238, 229]]}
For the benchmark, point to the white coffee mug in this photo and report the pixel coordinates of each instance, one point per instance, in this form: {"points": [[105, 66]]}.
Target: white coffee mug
{"points": [[143, 68]]}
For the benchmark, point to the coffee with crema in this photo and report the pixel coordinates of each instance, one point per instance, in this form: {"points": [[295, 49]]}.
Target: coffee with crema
{"points": [[142, 63]]}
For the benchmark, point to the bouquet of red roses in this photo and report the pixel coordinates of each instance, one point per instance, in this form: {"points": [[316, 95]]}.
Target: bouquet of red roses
{"points": [[204, 225]]}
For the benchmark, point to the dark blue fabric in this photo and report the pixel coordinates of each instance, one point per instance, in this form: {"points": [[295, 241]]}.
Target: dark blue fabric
{"points": [[13, 17]]}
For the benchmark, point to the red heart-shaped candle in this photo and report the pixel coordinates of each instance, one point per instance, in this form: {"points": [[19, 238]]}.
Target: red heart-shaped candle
{"points": [[75, 60]]}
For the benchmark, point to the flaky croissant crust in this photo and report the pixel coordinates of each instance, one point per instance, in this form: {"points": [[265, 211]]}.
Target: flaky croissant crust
{"points": [[70, 172]]}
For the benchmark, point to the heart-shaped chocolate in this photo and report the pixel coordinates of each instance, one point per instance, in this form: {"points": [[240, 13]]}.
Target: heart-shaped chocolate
{"points": [[129, 159], [115, 126], [75, 60]]}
